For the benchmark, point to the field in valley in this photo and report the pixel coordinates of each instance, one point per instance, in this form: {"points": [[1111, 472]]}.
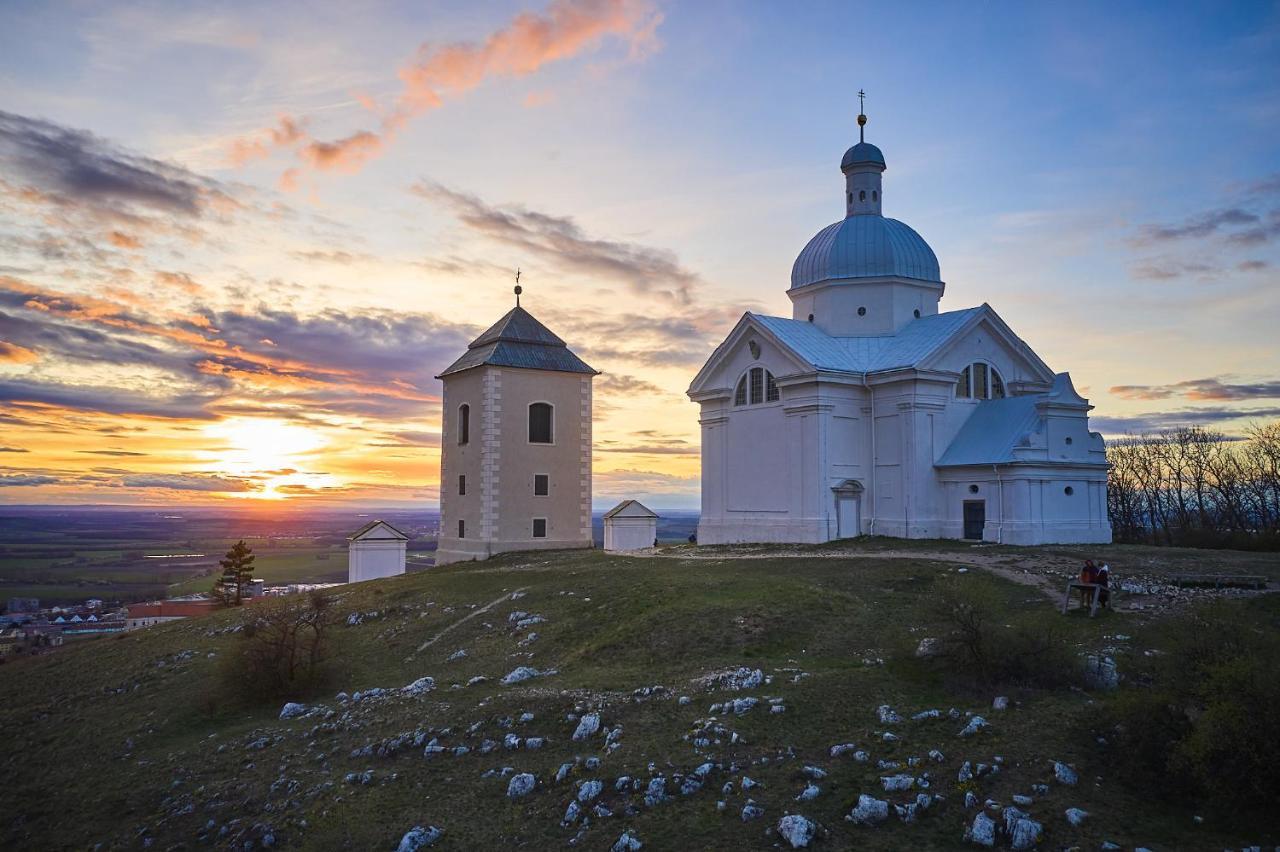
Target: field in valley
{"points": [[121, 740]]}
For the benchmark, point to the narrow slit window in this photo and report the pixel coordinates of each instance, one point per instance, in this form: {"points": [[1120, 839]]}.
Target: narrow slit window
{"points": [[997, 385], [462, 485], [539, 527], [540, 426], [541, 485], [464, 423], [462, 529], [980, 381]]}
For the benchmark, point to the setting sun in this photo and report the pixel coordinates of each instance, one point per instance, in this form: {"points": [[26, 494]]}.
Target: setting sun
{"points": [[273, 452]]}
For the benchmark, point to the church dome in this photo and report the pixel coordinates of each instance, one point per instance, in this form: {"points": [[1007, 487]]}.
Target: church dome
{"points": [[865, 247], [863, 152]]}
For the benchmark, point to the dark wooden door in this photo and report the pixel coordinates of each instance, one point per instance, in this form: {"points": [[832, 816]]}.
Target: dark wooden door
{"points": [[975, 518]]}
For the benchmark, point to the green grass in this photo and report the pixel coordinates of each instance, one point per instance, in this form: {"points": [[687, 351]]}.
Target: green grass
{"points": [[293, 566], [108, 742]]}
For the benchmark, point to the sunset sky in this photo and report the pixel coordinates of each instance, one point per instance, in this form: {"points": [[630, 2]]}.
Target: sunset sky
{"points": [[238, 243]]}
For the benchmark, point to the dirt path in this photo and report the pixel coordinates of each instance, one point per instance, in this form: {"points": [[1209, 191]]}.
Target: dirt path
{"points": [[506, 596]]}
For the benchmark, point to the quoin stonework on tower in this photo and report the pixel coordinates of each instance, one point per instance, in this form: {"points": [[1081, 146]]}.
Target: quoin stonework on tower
{"points": [[515, 459], [869, 411]]}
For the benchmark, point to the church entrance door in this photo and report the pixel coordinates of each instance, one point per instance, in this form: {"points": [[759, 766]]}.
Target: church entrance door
{"points": [[975, 518], [848, 524]]}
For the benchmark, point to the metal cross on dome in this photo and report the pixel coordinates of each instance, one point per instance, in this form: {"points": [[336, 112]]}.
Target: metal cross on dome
{"points": [[519, 289]]}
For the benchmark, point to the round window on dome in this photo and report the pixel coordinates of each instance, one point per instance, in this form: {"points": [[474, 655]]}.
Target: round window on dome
{"points": [[862, 312]]}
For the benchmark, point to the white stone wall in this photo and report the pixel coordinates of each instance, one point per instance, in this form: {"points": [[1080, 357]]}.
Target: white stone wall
{"points": [[372, 560], [629, 533]]}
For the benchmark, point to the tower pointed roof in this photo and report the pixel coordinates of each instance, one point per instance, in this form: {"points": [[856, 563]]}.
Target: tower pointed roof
{"points": [[519, 340]]}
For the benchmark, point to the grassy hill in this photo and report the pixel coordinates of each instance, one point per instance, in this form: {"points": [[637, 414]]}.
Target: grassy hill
{"points": [[131, 741]]}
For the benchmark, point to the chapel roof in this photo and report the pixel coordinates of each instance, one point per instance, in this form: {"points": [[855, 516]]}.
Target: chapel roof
{"points": [[519, 340], [910, 345]]}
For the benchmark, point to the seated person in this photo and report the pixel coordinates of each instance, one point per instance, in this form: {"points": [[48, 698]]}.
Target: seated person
{"points": [[1088, 574], [1103, 578]]}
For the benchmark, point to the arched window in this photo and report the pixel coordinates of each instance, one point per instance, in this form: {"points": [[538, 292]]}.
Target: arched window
{"points": [[980, 380], [862, 196], [464, 423], [756, 386], [875, 196], [540, 423]]}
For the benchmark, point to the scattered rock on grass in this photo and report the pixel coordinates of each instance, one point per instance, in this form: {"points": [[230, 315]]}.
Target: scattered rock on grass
{"points": [[796, 830], [982, 831], [1076, 816], [751, 811], [869, 811], [521, 785], [1065, 774], [976, 723], [587, 726], [419, 838], [628, 842], [292, 710]]}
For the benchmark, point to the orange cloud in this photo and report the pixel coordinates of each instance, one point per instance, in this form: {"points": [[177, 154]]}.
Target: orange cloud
{"points": [[179, 281], [119, 239], [15, 354], [567, 29], [344, 155]]}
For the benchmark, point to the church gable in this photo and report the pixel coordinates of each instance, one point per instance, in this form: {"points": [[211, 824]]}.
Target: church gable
{"points": [[986, 338], [750, 344]]}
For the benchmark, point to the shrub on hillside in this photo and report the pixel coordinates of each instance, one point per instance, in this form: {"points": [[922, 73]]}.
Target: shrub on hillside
{"points": [[282, 651], [1203, 719], [982, 646]]}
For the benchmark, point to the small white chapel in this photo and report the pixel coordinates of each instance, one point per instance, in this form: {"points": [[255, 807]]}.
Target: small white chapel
{"points": [[871, 412]]}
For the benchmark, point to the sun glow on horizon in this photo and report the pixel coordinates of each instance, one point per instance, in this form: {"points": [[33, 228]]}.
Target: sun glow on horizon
{"points": [[272, 452]]}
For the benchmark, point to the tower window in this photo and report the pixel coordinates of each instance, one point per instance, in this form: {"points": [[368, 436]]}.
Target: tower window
{"points": [[1068, 442], [810, 317], [862, 196], [539, 527], [916, 313], [462, 485], [875, 196], [541, 484], [462, 529], [850, 201], [1068, 491], [540, 431], [862, 312], [464, 423]]}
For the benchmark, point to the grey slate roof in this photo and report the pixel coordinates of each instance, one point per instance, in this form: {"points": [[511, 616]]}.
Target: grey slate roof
{"points": [[628, 504], [369, 526], [518, 340], [992, 431], [908, 347]]}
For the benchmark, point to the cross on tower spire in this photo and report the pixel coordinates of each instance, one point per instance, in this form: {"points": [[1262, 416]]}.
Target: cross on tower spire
{"points": [[862, 117], [519, 289]]}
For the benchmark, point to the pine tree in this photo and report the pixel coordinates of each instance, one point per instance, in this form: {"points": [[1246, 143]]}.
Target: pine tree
{"points": [[237, 572]]}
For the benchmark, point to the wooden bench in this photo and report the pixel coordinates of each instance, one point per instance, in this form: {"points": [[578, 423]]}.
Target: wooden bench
{"points": [[1095, 596]]}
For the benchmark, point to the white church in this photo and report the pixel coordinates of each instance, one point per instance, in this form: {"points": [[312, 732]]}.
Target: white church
{"points": [[869, 411]]}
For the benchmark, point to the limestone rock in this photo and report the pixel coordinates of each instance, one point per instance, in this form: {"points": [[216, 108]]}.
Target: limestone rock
{"points": [[869, 811], [589, 791], [1076, 816], [292, 710], [521, 785], [797, 830], [1065, 774], [587, 725], [751, 811], [628, 842], [976, 723], [982, 831], [419, 838]]}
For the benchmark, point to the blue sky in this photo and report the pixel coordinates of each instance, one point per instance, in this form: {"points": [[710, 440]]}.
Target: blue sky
{"points": [[1105, 175]]}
